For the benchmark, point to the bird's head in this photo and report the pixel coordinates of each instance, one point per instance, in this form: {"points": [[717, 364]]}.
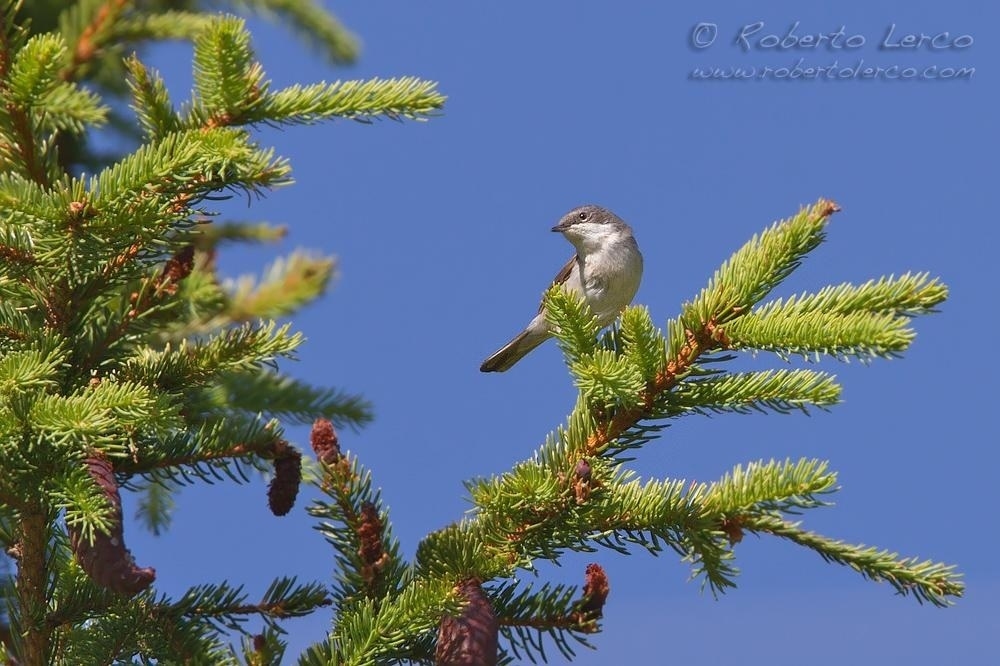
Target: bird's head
{"points": [[590, 228]]}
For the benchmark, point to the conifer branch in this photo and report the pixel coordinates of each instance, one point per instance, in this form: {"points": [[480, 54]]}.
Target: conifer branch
{"points": [[355, 524], [232, 90], [777, 390], [924, 580], [287, 284], [397, 98], [527, 615], [96, 33], [282, 397], [16, 256], [150, 100], [20, 143], [736, 287], [155, 505], [315, 23], [771, 487], [120, 633], [366, 635], [211, 237], [244, 349], [860, 334], [226, 607], [151, 291], [910, 294], [197, 458], [190, 627], [577, 498], [170, 24]]}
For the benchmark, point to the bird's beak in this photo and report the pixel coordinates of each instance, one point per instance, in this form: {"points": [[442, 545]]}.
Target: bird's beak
{"points": [[562, 226]]}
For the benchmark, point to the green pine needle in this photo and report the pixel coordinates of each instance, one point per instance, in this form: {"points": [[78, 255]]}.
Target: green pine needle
{"points": [[864, 335], [572, 321], [759, 266], [313, 22], [778, 390], [288, 284]]}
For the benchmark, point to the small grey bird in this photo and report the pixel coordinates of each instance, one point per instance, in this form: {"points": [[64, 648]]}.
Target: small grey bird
{"points": [[606, 270]]}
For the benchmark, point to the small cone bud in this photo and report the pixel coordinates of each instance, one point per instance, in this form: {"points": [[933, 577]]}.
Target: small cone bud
{"points": [[595, 591], [325, 442]]}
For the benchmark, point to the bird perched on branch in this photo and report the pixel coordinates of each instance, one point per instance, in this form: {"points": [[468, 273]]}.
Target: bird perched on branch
{"points": [[606, 271]]}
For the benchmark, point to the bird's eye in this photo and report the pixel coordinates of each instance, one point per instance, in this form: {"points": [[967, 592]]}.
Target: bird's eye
{"points": [[582, 215]]}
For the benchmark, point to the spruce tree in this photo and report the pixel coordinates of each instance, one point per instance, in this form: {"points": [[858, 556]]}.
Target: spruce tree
{"points": [[128, 369]]}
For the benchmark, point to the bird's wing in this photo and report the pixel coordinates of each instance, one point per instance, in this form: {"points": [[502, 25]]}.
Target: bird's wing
{"points": [[561, 277]]}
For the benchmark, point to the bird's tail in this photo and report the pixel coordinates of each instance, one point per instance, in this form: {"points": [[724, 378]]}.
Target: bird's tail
{"points": [[513, 351]]}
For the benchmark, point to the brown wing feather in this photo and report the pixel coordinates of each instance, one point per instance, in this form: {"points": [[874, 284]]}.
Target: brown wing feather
{"points": [[561, 276]]}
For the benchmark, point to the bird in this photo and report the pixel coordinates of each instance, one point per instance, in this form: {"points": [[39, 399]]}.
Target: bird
{"points": [[605, 270]]}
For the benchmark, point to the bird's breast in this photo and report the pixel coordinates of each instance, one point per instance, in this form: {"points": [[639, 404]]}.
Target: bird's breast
{"points": [[610, 282]]}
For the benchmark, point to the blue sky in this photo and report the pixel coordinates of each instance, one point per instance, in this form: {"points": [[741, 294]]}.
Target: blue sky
{"points": [[442, 231]]}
